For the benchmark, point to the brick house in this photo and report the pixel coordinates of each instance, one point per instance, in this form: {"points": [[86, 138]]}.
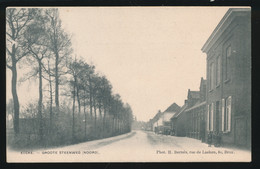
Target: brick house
{"points": [[196, 111], [228, 93], [190, 120], [178, 122]]}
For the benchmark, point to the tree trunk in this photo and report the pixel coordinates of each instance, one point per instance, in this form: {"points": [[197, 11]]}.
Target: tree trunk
{"points": [[57, 83], [95, 111], [73, 112], [90, 101], [104, 121], [78, 101], [85, 114], [90, 97], [51, 113], [100, 111], [15, 98], [114, 125], [100, 119], [40, 101], [118, 125]]}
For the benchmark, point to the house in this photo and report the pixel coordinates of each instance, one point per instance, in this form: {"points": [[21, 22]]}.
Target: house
{"points": [[154, 121], [178, 122], [167, 115], [190, 120], [228, 92], [196, 111], [162, 123]]}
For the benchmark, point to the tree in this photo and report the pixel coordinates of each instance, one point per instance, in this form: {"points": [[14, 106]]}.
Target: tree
{"points": [[49, 79], [60, 45], [84, 85], [17, 21], [73, 70], [102, 95], [95, 90], [37, 45], [106, 98]]}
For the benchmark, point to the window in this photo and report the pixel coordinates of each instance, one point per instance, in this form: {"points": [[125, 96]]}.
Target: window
{"points": [[226, 114], [218, 68], [227, 65], [229, 51], [211, 76], [217, 115], [210, 117]]}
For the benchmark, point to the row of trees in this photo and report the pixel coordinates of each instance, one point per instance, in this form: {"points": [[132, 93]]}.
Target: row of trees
{"points": [[35, 39]]}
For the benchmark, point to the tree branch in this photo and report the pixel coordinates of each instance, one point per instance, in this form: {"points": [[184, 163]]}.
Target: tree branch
{"points": [[47, 71], [9, 35], [9, 51], [10, 67], [28, 77]]}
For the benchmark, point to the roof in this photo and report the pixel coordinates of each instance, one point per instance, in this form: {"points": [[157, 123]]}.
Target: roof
{"points": [[173, 108], [156, 117], [223, 24], [203, 82], [179, 112], [198, 104], [194, 94]]}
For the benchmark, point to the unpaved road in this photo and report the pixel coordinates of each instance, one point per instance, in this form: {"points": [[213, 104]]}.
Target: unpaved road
{"points": [[137, 146]]}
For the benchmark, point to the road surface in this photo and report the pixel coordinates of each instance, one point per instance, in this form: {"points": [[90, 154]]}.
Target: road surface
{"points": [[137, 146]]}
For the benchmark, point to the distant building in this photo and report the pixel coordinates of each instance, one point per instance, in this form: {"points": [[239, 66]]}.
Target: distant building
{"points": [[228, 93], [149, 126], [167, 115], [163, 122], [154, 121], [190, 120], [196, 112], [179, 121]]}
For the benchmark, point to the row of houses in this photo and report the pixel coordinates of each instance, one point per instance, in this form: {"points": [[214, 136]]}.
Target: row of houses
{"points": [[221, 109]]}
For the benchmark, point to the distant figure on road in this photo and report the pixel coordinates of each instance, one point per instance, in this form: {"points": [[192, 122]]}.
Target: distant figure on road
{"points": [[172, 132]]}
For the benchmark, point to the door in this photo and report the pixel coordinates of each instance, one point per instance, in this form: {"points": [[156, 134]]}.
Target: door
{"points": [[240, 131], [218, 108]]}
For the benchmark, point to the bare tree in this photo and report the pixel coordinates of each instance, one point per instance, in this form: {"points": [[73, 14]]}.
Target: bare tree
{"points": [[49, 79], [84, 84], [60, 45], [37, 45], [105, 96], [75, 68], [17, 21]]}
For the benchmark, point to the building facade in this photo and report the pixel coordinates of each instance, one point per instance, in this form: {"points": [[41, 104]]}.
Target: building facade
{"points": [[178, 122], [155, 121], [228, 93], [162, 124], [196, 112]]}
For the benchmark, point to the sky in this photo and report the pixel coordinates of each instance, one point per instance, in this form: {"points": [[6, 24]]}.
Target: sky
{"points": [[151, 55]]}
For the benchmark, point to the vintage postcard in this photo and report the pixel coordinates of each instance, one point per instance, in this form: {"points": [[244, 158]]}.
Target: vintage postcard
{"points": [[128, 84]]}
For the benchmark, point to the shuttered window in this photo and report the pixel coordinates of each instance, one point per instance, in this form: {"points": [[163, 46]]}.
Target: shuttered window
{"points": [[212, 118], [223, 105], [218, 68], [227, 64], [228, 107], [211, 76], [226, 114], [208, 122]]}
